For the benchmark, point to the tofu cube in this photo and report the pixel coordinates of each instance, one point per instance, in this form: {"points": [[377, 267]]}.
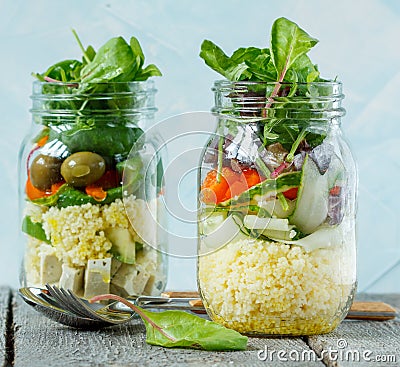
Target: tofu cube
{"points": [[72, 278], [129, 280], [97, 277], [50, 268]]}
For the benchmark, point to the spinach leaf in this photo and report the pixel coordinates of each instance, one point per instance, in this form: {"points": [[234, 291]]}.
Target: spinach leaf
{"points": [[63, 71], [288, 43], [34, 229], [147, 72], [137, 50], [114, 59], [68, 196], [76, 197], [216, 59], [98, 138], [180, 329]]}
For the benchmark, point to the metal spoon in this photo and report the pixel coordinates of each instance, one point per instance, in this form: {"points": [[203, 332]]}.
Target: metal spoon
{"points": [[39, 300], [95, 316]]}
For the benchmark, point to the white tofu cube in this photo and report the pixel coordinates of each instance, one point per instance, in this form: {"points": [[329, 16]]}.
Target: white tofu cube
{"points": [[50, 268], [129, 280], [72, 278], [97, 277]]}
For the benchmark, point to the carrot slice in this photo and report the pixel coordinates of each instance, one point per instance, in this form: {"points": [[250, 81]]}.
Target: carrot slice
{"points": [[96, 192], [32, 192]]}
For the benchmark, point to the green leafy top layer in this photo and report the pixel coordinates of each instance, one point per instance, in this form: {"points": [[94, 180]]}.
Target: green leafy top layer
{"points": [[115, 61], [285, 61]]}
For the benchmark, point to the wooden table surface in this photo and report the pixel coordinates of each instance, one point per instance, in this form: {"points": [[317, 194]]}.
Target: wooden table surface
{"points": [[29, 339]]}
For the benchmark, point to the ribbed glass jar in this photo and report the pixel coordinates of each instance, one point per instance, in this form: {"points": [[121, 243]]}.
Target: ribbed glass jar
{"points": [[90, 189], [277, 205]]}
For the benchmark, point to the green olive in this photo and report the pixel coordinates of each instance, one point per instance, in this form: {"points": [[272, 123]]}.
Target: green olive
{"points": [[83, 168], [45, 171]]}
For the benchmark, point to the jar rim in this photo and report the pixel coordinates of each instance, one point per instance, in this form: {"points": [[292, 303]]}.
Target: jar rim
{"points": [[134, 87], [226, 82]]}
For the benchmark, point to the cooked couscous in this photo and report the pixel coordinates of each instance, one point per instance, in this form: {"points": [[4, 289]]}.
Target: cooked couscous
{"points": [[78, 235], [281, 289]]}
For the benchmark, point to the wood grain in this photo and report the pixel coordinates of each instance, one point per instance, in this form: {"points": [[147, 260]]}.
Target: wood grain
{"points": [[5, 295], [41, 342], [381, 338]]}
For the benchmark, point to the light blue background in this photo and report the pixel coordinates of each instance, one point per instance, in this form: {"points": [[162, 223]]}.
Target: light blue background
{"points": [[359, 42]]}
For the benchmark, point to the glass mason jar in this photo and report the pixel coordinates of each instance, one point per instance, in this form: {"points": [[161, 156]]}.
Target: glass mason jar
{"points": [[91, 187], [277, 203]]}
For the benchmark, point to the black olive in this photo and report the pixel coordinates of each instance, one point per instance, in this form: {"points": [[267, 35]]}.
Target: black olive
{"points": [[45, 171], [83, 168]]}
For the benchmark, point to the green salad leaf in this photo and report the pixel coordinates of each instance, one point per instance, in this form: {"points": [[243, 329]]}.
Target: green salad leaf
{"points": [[102, 139], [179, 329], [115, 61], [289, 70], [288, 43], [34, 229], [68, 196]]}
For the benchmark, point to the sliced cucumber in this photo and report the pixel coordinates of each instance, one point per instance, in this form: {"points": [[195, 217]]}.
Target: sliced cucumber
{"points": [[312, 199], [277, 224], [322, 238], [280, 235], [229, 230], [123, 246], [274, 206], [210, 222], [266, 188], [335, 171]]}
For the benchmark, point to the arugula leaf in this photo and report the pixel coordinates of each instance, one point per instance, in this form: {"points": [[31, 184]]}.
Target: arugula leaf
{"points": [[288, 43], [34, 229], [180, 329]]}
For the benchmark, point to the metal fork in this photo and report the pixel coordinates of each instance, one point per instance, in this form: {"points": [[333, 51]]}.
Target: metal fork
{"points": [[67, 300], [116, 312]]}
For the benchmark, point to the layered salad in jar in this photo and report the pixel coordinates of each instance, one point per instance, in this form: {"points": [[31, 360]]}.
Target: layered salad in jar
{"points": [[90, 221], [277, 187]]}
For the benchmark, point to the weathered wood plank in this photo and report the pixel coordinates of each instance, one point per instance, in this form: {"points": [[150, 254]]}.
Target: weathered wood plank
{"points": [[373, 343], [5, 295], [41, 342]]}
